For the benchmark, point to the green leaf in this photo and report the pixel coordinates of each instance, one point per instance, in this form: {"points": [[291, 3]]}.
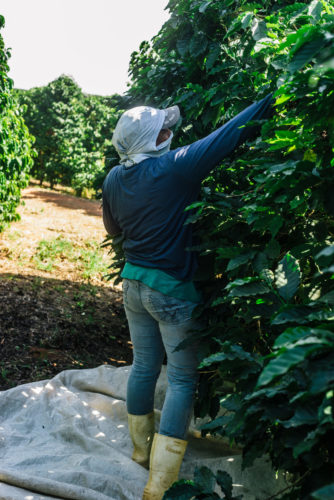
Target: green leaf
{"points": [[182, 490], [225, 482], [295, 334], [304, 415], [260, 262], [284, 361], [305, 54], [274, 224], [240, 260], [204, 6], [228, 252], [254, 288], [291, 315], [217, 423], [322, 374], [232, 353], [280, 63], [246, 20], [281, 167], [214, 52], [308, 442], [292, 335], [234, 26], [315, 10], [273, 249], [253, 6], [325, 493], [327, 298], [298, 38], [232, 402], [321, 316], [198, 44], [183, 46], [286, 134], [325, 253], [290, 9], [287, 277], [329, 270], [205, 478], [259, 30]]}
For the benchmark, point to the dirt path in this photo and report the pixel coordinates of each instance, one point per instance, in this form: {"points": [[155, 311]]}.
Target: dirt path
{"points": [[56, 310], [46, 216]]}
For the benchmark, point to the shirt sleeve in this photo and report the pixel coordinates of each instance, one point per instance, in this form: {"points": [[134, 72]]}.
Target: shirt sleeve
{"points": [[196, 160], [109, 222]]}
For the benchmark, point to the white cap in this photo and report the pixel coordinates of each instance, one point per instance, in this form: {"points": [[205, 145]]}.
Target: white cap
{"points": [[172, 116]]}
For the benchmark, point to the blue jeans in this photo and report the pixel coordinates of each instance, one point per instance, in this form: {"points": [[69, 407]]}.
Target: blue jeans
{"points": [[158, 323]]}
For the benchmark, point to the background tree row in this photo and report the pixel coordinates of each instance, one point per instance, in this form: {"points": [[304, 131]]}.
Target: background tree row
{"points": [[265, 223], [73, 133]]}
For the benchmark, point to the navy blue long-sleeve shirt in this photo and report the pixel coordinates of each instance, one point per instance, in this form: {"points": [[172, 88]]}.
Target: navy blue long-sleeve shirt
{"points": [[147, 200]]}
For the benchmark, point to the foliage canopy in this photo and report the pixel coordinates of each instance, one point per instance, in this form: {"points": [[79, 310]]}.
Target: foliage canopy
{"points": [[15, 144], [265, 222], [73, 133]]}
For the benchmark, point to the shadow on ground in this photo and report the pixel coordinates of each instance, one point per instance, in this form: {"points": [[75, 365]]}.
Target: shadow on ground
{"points": [[49, 325], [89, 207]]}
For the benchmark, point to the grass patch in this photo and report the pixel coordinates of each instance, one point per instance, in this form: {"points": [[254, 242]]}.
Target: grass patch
{"points": [[88, 259], [91, 260], [49, 251], [14, 235]]}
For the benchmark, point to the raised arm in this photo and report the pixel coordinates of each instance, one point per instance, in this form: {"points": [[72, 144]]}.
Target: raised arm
{"points": [[196, 160]]}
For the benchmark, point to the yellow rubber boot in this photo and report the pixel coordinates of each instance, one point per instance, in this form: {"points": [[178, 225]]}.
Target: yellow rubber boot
{"points": [[141, 428], [165, 462]]}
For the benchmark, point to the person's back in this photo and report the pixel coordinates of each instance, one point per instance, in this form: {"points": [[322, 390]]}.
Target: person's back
{"points": [[148, 201]]}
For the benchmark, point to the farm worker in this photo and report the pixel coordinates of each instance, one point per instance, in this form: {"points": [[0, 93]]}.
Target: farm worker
{"points": [[144, 198]]}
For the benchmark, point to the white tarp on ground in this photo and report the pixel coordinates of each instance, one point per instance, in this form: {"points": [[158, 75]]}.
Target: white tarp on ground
{"points": [[67, 438]]}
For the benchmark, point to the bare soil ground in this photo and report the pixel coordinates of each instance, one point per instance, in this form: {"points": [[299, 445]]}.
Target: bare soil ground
{"points": [[56, 310]]}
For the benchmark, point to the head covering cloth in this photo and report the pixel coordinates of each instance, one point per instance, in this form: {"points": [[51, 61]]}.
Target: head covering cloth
{"points": [[137, 131]]}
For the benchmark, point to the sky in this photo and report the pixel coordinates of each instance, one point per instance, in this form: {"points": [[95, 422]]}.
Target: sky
{"points": [[90, 40]]}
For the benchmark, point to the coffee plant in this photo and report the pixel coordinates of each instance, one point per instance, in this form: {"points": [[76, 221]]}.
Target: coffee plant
{"points": [[264, 223], [15, 144], [73, 133]]}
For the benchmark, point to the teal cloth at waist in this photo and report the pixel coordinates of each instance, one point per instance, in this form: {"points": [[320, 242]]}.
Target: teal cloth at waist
{"points": [[163, 282]]}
